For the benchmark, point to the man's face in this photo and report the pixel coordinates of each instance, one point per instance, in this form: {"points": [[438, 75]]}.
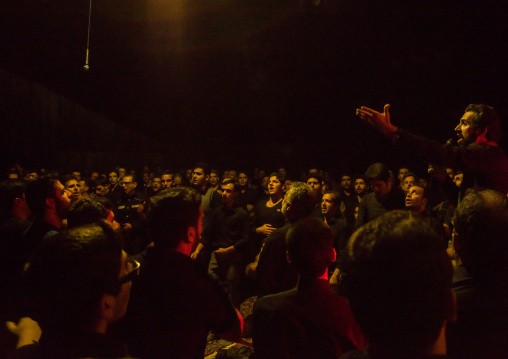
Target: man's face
{"points": [[167, 181], [32, 176], [345, 182], [409, 182], [82, 187], [74, 188], [101, 190], [402, 172], [458, 179], [76, 175], [328, 207], [62, 199], [198, 178], [450, 173], [128, 185], [156, 184], [228, 194], [121, 172], [314, 184], [146, 177], [465, 130], [188, 174], [415, 200], [233, 175], [264, 182], [113, 178], [274, 186], [243, 180], [381, 188], [360, 185], [214, 179]]}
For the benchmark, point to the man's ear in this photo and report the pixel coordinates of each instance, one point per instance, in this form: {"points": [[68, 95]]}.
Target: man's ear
{"points": [[288, 257], [192, 235], [207, 178], [106, 306], [50, 203], [333, 258]]}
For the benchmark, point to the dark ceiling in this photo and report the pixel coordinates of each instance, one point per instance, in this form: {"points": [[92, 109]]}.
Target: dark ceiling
{"points": [[264, 81]]}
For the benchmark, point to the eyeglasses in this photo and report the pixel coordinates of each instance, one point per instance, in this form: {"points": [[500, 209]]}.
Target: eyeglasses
{"points": [[133, 266]]}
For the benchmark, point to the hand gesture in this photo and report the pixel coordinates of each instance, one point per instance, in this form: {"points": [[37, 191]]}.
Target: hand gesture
{"points": [[380, 121], [266, 229]]}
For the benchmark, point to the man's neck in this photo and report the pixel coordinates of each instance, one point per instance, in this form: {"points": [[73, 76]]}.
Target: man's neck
{"points": [[52, 218]]}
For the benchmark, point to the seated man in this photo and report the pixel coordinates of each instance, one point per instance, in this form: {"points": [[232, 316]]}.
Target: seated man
{"points": [[397, 278], [308, 321], [173, 305], [78, 283]]}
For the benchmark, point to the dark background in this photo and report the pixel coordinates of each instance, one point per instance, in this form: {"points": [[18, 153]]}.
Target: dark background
{"points": [[240, 83]]}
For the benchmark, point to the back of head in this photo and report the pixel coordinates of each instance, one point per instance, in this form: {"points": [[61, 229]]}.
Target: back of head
{"points": [[310, 246], [86, 211], [9, 191], [481, 223], [173, 211], [485, 117], [378, 171], [70, 272], [38, 190], [397, 278], [302, 199]]}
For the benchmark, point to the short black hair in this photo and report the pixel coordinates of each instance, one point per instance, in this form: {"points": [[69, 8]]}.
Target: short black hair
{"points": [[70, 272], [485, 117], [397, 277], [378, 171], [205, 167], [236, 186], [9, 191], [86, 211], [173, 211]]}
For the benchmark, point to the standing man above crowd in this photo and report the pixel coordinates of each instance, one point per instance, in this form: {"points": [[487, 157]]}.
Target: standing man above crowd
{"points": [[477, 152], [200, 182]]}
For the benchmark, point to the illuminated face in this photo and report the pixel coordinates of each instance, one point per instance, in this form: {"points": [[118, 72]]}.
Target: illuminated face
{"points": [[450, 173], [101, 190], [199, 178], [128, 185], [113, 178], [214, 179], [381, 188], [243, 180], [74, 188], [275, 186], [156, 184], [167, 180], [360, 186], [415, 200], [228, 194], [465, 130], [345, 182], [458, 179], [409, 182], [328, 206]]}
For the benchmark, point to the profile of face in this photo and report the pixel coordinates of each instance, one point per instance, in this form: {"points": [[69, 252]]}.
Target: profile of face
{"points": [[166, 181], [113, 178], [214, 179], [128, 185], [381, 188], [74, 188], [465, 130], [62, 199], [156, 184], [228, 194], [243, 179], [408, 182], [450, 172], [345, 182], [285, 202], [458, 179], [275, 187], [414, 199], [328, 206], [402, 172], [360, 186]]}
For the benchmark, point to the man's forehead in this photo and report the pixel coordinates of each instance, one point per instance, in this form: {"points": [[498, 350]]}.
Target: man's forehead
{"points": [[346, 178], [468, 116], [198, 170], [329, 196], [416, 189], [229, 186]]}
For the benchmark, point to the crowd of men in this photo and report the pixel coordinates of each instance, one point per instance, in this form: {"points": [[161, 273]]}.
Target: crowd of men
{"points": [[152, 266]]}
